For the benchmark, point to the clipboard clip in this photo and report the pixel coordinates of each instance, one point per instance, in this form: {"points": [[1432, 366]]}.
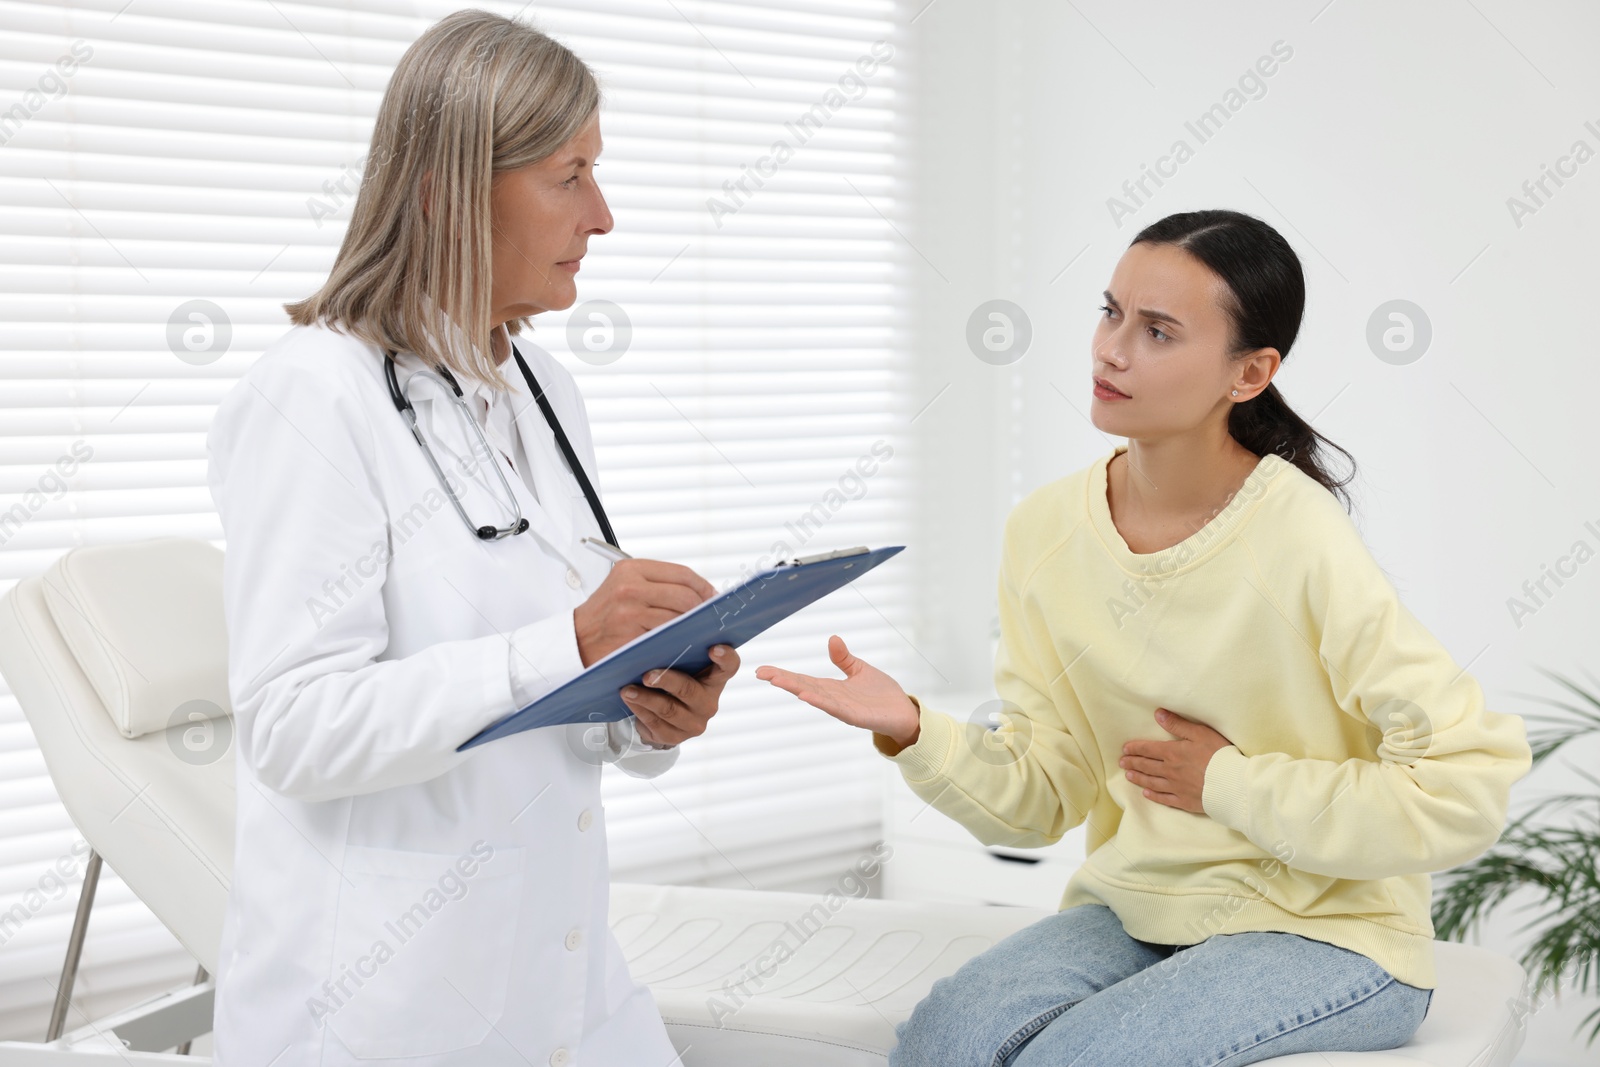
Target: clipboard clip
{"points": [[838, 553], [748, 595]]}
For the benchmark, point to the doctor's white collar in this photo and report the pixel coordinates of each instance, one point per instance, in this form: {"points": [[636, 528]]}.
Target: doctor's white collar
{"points": [[470, 387]]}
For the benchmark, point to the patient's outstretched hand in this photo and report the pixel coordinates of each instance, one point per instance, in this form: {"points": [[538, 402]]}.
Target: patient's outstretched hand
{"points": [[864, 697]]}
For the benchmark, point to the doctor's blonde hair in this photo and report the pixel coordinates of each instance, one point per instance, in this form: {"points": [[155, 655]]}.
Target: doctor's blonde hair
{"points": [[476, 94]]}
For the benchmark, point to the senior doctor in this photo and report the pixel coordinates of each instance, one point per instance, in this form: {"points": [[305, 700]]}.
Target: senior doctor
{"points": [[390, 594]]}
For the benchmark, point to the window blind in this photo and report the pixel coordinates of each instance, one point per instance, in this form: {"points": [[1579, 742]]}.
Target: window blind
{"points": [[171, 171]]}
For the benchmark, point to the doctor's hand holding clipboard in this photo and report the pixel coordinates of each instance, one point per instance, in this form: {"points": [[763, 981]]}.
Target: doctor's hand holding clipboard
{"points": [[636, 597]]}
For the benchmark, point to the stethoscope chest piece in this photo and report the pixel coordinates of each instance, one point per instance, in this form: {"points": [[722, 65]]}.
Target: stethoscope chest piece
{"points": [[489, 533]]}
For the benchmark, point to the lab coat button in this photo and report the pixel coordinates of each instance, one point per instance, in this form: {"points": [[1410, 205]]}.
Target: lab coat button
{"points": [[586, 820], [560, 1058], [573, 580], [574, 939]]}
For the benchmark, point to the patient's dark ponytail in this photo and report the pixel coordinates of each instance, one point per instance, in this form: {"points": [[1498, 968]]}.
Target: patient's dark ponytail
{"points": [[1269, 295]]}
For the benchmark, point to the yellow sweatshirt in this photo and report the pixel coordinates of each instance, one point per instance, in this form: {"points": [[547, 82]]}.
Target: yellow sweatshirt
{"points": [[1362, 755]]}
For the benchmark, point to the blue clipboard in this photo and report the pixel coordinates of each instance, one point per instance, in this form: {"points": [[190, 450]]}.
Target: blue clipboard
{"points": [[684, 644]]}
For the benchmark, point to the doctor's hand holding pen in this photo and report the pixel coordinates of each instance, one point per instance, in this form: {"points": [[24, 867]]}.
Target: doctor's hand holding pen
{"points": [[864, 697], [636, 597]]}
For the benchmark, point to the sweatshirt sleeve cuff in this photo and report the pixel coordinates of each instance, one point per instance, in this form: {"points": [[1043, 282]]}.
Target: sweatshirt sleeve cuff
{"points": [[930, 754], [1223, 796]]}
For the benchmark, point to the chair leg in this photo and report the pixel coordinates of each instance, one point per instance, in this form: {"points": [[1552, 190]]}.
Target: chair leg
{"points": [[199, 976], [80, 928]]}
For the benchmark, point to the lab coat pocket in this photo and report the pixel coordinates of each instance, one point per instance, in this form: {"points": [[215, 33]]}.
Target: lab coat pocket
{"points": [[422, 949]]}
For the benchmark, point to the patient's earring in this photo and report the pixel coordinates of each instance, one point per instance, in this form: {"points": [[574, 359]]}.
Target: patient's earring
{"points": [[1236, 392]]}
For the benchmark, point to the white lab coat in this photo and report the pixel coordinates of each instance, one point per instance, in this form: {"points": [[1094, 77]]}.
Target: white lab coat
{"points": [[393, 899]]}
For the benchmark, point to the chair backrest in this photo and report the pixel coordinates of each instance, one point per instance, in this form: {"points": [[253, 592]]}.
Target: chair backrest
{"points": [[118, 656]]}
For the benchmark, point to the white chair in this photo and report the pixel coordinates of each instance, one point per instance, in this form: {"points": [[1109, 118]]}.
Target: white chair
{"points": [[117, 656]]}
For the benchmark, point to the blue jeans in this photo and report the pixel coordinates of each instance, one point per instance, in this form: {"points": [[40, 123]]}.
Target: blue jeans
{"points": [[1074, 989]]}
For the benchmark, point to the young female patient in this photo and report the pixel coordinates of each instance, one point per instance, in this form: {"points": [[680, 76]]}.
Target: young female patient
{"points": [[1199, 659]]}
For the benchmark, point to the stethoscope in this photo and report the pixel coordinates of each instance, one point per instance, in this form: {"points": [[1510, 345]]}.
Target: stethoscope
{"points": [[402, 404]]}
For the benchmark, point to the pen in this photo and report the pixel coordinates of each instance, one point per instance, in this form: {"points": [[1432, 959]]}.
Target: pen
{"points": [[606, 549]]}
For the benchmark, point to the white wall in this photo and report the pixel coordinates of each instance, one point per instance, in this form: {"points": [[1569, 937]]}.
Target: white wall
{"points": [[1385, 149]]}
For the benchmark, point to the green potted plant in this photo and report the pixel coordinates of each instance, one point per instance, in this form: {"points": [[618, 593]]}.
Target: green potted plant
{"points": [[1560, 863]]}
